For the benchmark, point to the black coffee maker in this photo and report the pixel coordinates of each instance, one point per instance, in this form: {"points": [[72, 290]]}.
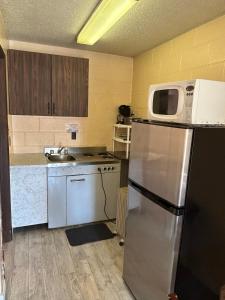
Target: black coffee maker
{"points": [[124, 115]]}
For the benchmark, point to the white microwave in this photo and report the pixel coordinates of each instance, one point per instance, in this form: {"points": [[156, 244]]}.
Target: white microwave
{"points": [[196, 101]]}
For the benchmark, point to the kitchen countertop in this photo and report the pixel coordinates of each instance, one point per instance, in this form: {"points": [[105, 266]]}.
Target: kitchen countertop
{"points": [[38, 159], [28, 159]]}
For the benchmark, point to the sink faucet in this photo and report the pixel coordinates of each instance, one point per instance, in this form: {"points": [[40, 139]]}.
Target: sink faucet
{"points": [[60, 150]]}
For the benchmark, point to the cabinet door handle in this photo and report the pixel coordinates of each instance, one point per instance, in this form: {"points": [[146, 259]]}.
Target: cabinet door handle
{"points": [[48, 108], [53, 106], [73, 180]]}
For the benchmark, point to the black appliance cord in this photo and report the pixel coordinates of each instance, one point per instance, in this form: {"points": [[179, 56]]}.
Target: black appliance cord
{"points": [[105, 203]]}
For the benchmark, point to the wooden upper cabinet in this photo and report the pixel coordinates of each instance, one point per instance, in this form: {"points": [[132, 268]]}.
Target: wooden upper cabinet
{"points": [[43, 84], [69, 86], [29, 77]]}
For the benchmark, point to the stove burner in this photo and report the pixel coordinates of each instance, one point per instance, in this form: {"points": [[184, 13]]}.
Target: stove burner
{"points": [[107, 156], [88, 154], [103, 155]]}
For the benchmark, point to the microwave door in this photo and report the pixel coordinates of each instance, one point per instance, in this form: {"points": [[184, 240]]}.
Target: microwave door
{"points": [[165, 102], [159, 160]]}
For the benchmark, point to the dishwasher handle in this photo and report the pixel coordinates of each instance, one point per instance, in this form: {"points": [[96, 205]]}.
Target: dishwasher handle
{"points": [[74, 180]]}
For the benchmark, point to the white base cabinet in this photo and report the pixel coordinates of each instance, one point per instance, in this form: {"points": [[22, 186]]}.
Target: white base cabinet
{"points": [[76, 195], [86, 199], [28, 195]]}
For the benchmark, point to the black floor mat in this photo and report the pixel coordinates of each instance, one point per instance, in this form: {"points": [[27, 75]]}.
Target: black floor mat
{"points": [[88, 234]]}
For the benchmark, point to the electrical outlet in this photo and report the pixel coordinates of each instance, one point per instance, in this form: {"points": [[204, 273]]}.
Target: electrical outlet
{"points": [[73, 135]]}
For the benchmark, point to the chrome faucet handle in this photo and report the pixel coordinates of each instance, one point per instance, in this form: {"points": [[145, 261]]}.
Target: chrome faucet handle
{"points": [[60, 150]]}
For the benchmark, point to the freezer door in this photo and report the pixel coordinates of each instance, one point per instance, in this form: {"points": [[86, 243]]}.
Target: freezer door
{"points": [[151, 248], [159, 160]]}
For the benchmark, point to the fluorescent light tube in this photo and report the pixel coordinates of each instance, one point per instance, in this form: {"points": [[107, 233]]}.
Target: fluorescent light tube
{"points": [[103, 18]]}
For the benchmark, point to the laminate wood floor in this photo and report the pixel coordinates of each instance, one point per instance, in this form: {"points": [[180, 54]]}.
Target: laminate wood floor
{"points": [[40, 264]]}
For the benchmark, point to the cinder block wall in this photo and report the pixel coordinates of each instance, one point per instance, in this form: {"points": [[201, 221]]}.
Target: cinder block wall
{"points": [[199, 53]]}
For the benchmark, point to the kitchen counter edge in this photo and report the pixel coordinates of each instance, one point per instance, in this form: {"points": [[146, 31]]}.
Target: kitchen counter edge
{"points": [[39, 160]]}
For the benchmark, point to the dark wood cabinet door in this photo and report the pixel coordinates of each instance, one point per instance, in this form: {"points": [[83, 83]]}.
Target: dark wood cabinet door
{"points": [[29, 76], [70, 86]]}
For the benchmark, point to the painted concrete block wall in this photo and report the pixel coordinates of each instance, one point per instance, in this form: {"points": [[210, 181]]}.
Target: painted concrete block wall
{"points": [[3, 36], [199, 53], [110, 85]]}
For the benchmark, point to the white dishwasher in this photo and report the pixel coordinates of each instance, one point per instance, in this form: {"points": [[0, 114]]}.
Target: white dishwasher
{"points": [[82, 194]]}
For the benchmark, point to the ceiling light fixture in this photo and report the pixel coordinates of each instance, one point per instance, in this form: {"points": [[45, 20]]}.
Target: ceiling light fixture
{"points": [[103, 18]]}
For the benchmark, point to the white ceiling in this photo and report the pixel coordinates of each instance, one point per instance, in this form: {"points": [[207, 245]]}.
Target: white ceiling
{"points": [[147, 24]]}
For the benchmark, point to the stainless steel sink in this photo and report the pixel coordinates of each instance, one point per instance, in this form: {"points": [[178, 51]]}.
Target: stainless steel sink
{"points": [[60, 157]]}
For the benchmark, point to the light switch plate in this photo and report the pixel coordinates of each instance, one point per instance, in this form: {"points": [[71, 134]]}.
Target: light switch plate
{"points": [[72, 127]]}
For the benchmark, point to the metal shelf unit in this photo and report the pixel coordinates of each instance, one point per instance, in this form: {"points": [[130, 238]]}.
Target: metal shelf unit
{"points": [[122, 134]]}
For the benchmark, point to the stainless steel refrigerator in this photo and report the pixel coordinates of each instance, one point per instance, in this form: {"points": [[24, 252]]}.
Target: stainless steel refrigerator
{"points": [[170, 206]]}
